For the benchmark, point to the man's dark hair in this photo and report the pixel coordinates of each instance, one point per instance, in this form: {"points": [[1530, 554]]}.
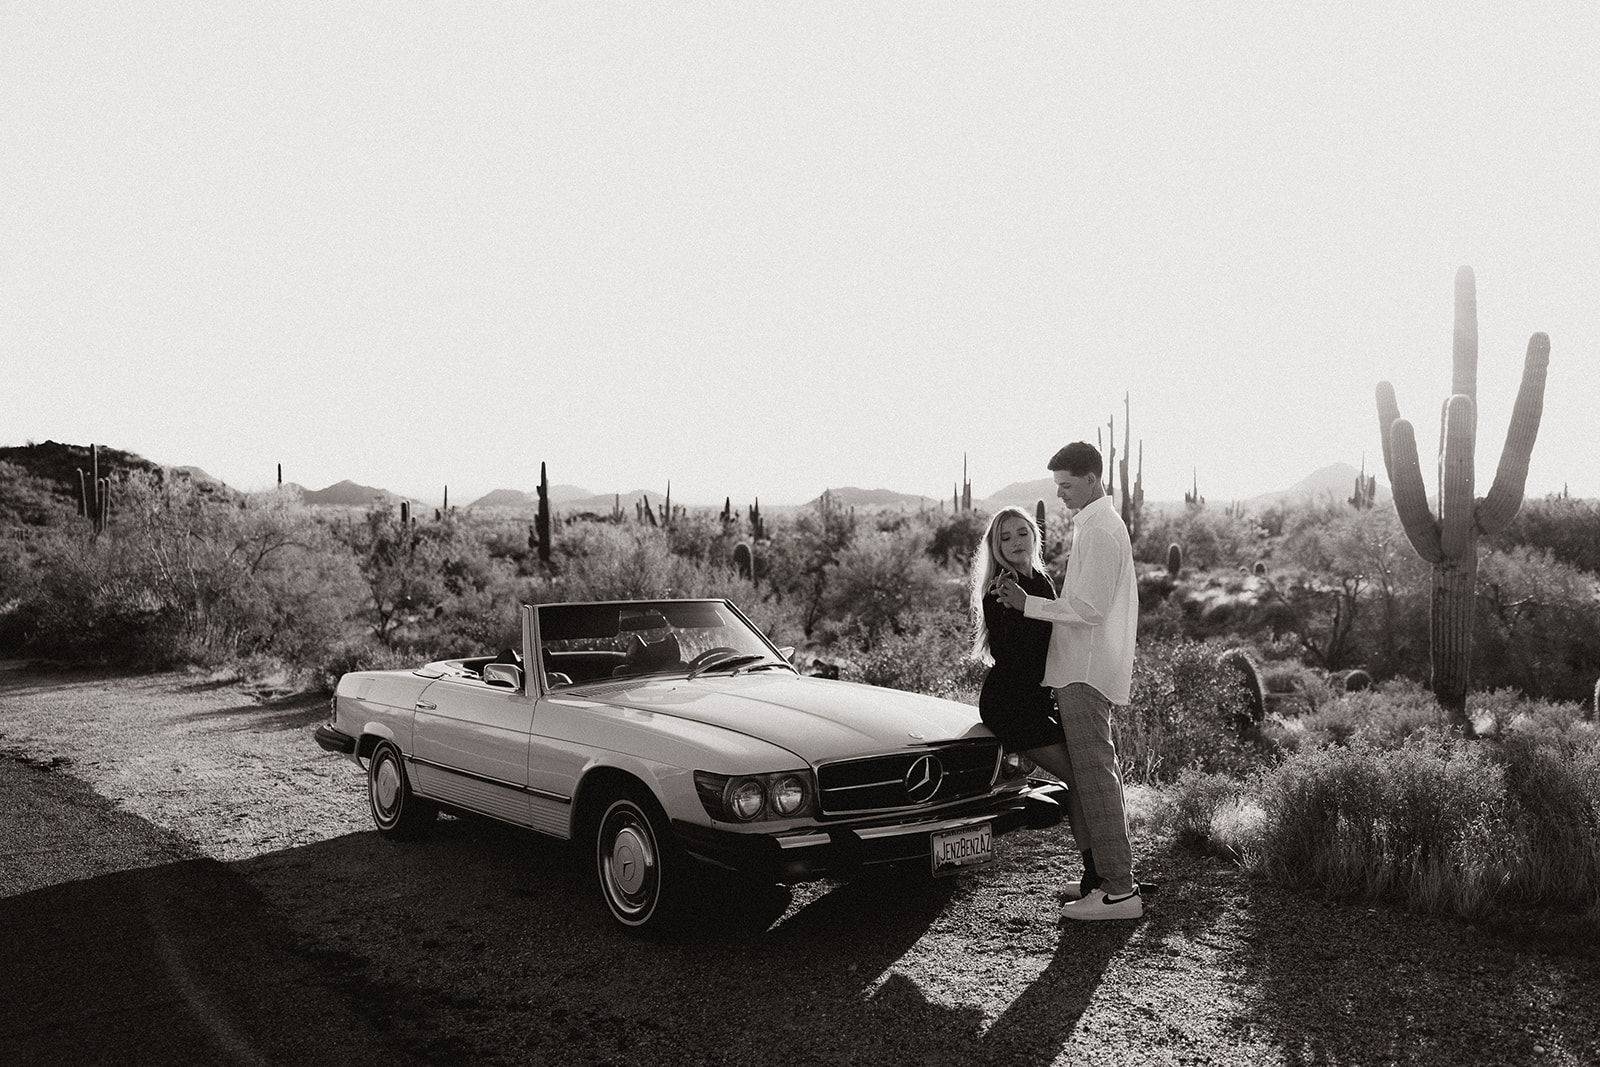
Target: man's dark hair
{"points": [[1078, 459]]}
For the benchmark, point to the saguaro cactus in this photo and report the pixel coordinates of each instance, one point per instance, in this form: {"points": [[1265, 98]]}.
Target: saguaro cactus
{"points": [[542, 518], [1449, 540]]}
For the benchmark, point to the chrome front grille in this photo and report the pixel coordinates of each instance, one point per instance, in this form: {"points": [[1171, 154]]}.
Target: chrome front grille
{"points": [[885, 783]]}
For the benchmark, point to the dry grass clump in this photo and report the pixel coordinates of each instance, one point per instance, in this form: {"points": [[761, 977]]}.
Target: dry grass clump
{"points": [[1404, 811]]}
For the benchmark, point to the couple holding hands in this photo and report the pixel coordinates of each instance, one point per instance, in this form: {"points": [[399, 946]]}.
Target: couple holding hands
{"points": [[1059, 663]]}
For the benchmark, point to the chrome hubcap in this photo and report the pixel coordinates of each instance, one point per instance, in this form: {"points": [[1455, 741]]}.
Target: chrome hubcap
{"points": [[628, 863], [386, 785]]}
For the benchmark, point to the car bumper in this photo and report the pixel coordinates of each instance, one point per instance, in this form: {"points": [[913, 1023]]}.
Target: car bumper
{"points": [[334, 739], [820, 851]]}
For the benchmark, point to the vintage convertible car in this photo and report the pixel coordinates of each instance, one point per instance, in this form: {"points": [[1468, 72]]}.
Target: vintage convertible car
{"points": [[674, 737]]}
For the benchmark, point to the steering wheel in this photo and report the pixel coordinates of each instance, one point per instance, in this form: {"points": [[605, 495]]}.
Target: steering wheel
{"points": [[705, 657]]}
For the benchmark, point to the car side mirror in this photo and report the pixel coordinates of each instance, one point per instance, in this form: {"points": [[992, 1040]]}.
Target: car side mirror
{"points": [[787, 652], [504, 675]]}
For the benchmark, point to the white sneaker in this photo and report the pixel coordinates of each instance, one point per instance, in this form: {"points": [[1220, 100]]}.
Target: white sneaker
{"points": [[1099, 906]]}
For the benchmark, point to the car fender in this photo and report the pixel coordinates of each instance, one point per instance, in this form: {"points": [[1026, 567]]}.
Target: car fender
{"points": [[371, 734]]}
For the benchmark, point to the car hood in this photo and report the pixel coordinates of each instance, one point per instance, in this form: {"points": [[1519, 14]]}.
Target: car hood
{"points": [[814, 718]]}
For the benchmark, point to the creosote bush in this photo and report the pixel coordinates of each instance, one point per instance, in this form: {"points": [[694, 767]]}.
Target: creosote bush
{"points": [[1424, 825], [930, 655], [1182, 714]]}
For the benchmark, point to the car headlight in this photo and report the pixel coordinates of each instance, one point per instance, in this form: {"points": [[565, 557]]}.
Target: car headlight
{"points": [[746, 799], [749, 797], [789, 795], [1015, 765]]}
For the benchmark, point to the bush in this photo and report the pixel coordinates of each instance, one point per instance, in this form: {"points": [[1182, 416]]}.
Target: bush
{"points": [[1425, 825], [931, 656], [1209, 538], [177, 577], [879, 582], [1385, 716], [1537, 626], [1182, 714], [1569, 530], [1552, 778], [1209, 813]]}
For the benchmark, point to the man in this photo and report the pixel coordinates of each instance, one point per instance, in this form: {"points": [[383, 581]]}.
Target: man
{"points": [[1090, 668]]}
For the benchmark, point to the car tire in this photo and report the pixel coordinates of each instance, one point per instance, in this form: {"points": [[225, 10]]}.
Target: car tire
{"points": [[396, 811], [643, 873]]}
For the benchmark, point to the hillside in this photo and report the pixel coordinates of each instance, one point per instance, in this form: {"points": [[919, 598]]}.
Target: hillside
{"points": [[347, 494], [58, 464], [1337, 481], [1020, 494], [851, 497]]}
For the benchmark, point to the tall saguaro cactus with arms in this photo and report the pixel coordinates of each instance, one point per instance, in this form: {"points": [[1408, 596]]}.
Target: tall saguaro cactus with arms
{"points": [[1449, 540]]}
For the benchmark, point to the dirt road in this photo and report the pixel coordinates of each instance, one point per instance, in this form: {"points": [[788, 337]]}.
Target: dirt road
{"points": [[186, 878]]}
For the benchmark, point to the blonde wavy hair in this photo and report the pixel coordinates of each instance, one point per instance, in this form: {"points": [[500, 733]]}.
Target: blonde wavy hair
{"points": [[986, 565]]}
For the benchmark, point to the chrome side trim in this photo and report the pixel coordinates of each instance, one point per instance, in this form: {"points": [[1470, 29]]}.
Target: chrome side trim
{"points": [[488, 780]]}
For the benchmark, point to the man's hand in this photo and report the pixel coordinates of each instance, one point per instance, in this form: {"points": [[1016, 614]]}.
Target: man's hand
{"points": [[1009, 592]]}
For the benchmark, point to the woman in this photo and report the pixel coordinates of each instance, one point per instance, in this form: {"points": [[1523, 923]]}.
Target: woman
{"points": [[1013, 704]]}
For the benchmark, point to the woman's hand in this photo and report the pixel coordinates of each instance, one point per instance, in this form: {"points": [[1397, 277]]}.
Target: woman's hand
{"points": [[1009, 593]]}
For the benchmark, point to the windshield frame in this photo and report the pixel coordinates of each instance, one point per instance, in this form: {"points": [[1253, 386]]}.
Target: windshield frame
{"points": [[608, 637]]}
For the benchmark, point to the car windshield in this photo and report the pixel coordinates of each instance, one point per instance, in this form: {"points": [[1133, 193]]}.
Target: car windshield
{"points": [[583, 643]]}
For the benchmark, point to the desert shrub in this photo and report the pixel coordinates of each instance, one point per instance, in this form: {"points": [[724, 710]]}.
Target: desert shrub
{"points": [[1162, 621], [703, 538], [178, 577], [1208, 813], [433, 587], [799, 558], [1182, 714], [1424, 825], [360, 653], [1552, 778], [1538, 625], [956, 538], [930, 655], [879, 581], [1384, 716], [1210, 538], [604, 562], [1566, 528]]}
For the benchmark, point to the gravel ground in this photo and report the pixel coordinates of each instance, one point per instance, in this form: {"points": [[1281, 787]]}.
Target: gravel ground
{"points": [[487, 945]]}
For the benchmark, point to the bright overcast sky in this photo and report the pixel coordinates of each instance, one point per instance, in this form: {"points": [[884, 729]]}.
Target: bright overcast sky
{"points": [[765, 249]]}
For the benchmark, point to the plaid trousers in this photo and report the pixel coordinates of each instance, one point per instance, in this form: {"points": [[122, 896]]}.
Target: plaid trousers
{"points": [[1094, 794]]}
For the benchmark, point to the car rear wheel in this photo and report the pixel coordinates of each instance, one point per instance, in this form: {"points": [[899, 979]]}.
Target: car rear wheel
{"points": [[642, 870], [396, 810]]}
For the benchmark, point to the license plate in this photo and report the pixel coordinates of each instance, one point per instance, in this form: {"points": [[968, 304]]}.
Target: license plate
{"points": [[970, 846]]}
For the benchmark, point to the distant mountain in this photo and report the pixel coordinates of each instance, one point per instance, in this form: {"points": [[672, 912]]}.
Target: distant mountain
{"points": [[506, 498], [850, 497], [1021, 494], [565, 497], [1337, 481], [348, 494]]}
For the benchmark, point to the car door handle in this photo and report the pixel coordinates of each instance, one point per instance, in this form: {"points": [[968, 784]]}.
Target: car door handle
{"points": [[427, 705]]}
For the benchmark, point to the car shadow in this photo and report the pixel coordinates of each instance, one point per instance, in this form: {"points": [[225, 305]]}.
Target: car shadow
{"points": [[269, 716], [485, 921], [179, 963], [1378, 984]]}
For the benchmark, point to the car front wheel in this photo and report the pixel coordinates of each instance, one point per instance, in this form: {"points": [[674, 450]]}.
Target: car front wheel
{"points": [[640, 866], [395, 809]]}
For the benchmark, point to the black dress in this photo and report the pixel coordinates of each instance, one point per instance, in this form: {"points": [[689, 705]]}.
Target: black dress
{"points": [[1013, 705]]}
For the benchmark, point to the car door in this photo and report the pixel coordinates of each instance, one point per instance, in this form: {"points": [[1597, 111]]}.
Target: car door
{"points": [[470, 747]]}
